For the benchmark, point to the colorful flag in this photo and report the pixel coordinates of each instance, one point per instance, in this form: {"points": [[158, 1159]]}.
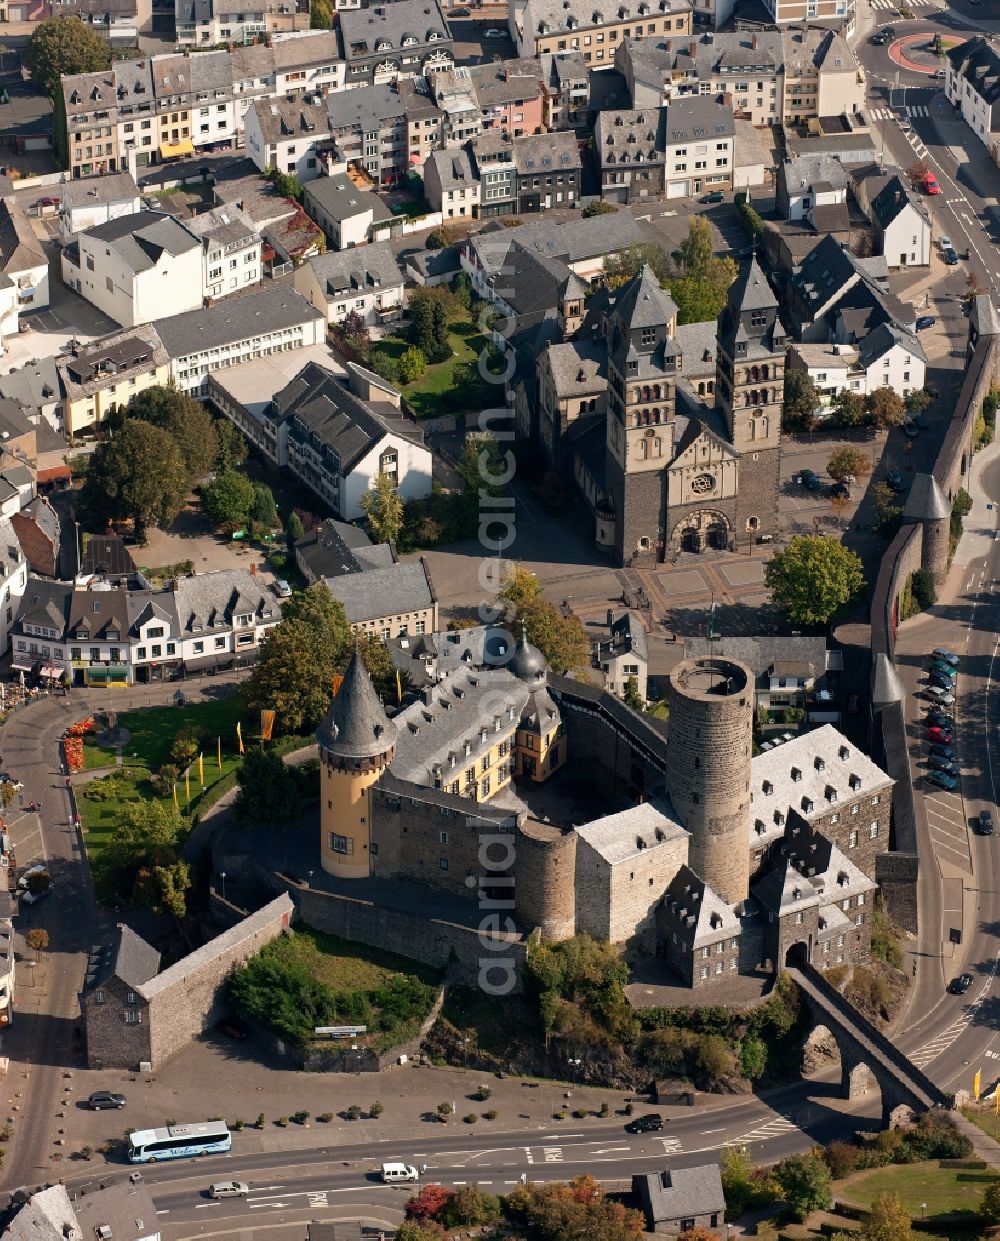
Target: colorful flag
{"points": [[218, 743], [399, 687], [266, 725], [239, 736], [176, 807], [187, 786], [338, 680], [975, 1085], [996, 1098], [201, 769]]}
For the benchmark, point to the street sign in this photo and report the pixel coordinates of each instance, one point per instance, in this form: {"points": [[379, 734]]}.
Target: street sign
{"points": [[341, 1031]]}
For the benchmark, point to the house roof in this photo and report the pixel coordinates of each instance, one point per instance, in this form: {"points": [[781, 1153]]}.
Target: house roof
{"points": [[627, 637], [350, 109], [141, 240], [696, 913], [552, 152], [308, 47], [926, 501], [336, 547], [620, 837], [361, 269], [45, 604], [392, 25], [289, 119], [207, 601], [99, 614], [111, 358], [680, 1193], [342, 200], [19, 249], [112, 187], [356, 724], [812, 172], [45, 517], [381, 593], [35, 385], [977, 61], [892, 200], [322, 408], [235, 318], [578, 367], [107, 555]]}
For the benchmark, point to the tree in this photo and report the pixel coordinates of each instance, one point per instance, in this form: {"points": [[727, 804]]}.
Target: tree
{"points": [[269, 790], [188, 422], [462, 287], [383, 507], [411, 1230], [522, 590], [429, 1202], [227, 500], [812, 577], [470, 1207], [753, 1055], [37, 940], [298, 660], [294, 529], [886, 408], [429, 325], [888, 1220], [850, 408], [64, 45], [355, 333], [320, 15], [848, 462], [806, 1184], [736, 1171], [439, 325], [631, 696], [412, 364], [973, 288], [263, 511], [801, 399], [162, 886], [701, 287], [597, 207], [989, 1208], [917, 400], [142, 829], [577, 1210], [622, 265], [136, 475], [232, 446]]}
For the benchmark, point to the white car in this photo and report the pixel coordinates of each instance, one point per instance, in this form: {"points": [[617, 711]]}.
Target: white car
{"points": [[942, 696], [230, 1189], [40, 868], [493, 33], [944, 243], [282, 589]]}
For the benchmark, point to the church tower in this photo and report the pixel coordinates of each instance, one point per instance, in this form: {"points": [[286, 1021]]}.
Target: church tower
{"points": [[356, 744], [643, 363], [750, 390]]}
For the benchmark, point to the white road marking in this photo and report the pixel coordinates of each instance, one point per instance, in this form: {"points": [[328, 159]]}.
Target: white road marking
{"points": [[553, 1154]]}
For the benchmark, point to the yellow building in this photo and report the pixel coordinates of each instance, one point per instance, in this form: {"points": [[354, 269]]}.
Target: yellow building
{"points": [[356, 745], [110, 372]]}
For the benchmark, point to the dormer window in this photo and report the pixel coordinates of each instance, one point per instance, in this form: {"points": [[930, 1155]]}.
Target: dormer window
{"points": [[468, 748], [819, 763], [855, 781], [796, 775], [807, 804], [844, 753]]}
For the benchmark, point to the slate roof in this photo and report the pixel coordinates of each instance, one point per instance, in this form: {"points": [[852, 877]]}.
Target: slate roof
{"points": [[380, 593], [695, 912], [361, 269], [543, 17], [578, 367], [977, 61], [336, 547], [356, 724], [698, 343], [631, 136], [892, 200], [111, 187], [984, 316], [208, 601], [620, 837], [142, 239], [129, 958], [680, 1193], [45, 604], [751, 290], [45, 517], [627, 637], [342, 200], [926, 501], [288, 119], [107, 555], [111, 358], [222, 226], [454, 169], [813, 172], [310, 47], [500, 83], [552, 152], [236, 318], [392, 23], [351, 109], [320, 404], [886, 337], [99, 614], [888, 686], [572, 241], [48, 1215], [19, 249], [643, 303]]}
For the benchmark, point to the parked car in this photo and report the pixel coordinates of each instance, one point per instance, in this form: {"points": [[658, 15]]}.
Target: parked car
{"points": [[281, 588], [943, 751], [943, 780], [493, 33], [925, 321], [35, 898], [904, 124], [716, 196], [931, 184], [950, 257], [895, 480], [946, 670], [460, 13], [649, 1123], [941, 695], [961, 984], [840, 491], [910, 429], [939, 719], [942, 652], [984, 823], [944, 241], [105, 1100], [942, 735], [938, 75], [810, 480], [938, 680], [943, 764]]}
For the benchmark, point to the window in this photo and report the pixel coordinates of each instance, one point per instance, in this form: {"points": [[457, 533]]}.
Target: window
{"points": [[220, 644], [341, 844], [442, 863], [873, 832], [99, 997], [853, 840], [131, 1017], [798, 918], [443, 838]]}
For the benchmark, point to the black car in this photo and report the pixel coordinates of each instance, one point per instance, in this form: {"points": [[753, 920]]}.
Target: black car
{"points": [[840, 491], [947, 765], [895, 481], [714, 196], [105, 1100], [985, 823], [645, 1124], [940, 680], [939, 719], [950, 256], [810, 480], [961, 984], [925, 321], [943, 751]]}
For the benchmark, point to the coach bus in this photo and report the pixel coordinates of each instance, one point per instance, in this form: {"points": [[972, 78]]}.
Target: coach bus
{"points": [[209, 1137]]}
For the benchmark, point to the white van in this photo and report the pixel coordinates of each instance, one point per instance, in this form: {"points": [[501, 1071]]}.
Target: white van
{"points": [[395, 1172]]}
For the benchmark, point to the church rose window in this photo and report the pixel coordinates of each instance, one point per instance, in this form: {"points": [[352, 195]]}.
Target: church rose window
{"points": [[703, 483]]}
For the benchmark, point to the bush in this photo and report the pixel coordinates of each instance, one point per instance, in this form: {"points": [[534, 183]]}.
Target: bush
{"points": [[924, 590], [375, 1110], [444, 1110], [470, 1118], [261, 1121], [749, 218], [165, 779], [492, 1114], [325, 1117], [282, 1122], [300, 1118], [237, 1126], [841, 1159], [482, 1093], [353, 1112], [605, 1109]]}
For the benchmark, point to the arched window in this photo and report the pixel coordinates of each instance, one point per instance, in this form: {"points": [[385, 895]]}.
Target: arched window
{"points": [[656, 392], [765, 369]]}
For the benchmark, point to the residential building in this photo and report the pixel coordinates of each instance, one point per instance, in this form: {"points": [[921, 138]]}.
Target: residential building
{"points": [[136, 268], [451, 184], [308, 62], [678, 1200], [407, 38], [38, 532], [38, 636], [334, 548], [368, 130], [803, 184], [91, 103], [973, 87], [349, 216], [461, 115], [788, 672], [91, 201], [547, 170], [623, 656], [231, 251], [902, 224], [565, 83], [207, 23], [23, 263], [834, 14], [822, 76], [222, 619], [552, 26], [387, 602], [13, 580], [886, 357], [493, 159], [367, 282], [509, 98], [112, 1008], [108, 373], [98, 637], [120, 22], [284, 133]]}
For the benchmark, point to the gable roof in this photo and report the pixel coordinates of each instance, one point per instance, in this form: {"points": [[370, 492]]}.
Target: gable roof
{"points": [[19, 250], [142, 239], [380, 593], [361, 269], [680, 1193]]}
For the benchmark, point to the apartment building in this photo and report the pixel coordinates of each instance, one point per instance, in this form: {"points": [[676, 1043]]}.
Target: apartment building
{"points": [[371, 130], [120, 22], [493, 161], [107, 373], [833, 14], [96, 200], [230, 251], [206, 23], [508, 98], [888, 357], [404, 38], [565, 90], [461, 115], [366, 282], [973, 86], [547, 171], [348, 216], [451, 185], [285, 133], [91, 102], [822, 76], [593, 30]]}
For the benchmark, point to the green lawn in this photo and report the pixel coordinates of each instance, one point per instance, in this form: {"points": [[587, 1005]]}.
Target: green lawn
{"points": [[985, 1117], [949, 1190], [425, 394], [347, 966]]}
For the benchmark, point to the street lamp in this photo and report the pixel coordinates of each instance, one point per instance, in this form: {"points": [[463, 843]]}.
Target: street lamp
{"points": [[222, 876], [576, 1065]]}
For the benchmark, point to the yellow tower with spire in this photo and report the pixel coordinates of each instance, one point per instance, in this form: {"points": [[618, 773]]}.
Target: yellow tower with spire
{"points": [[356, 744]]}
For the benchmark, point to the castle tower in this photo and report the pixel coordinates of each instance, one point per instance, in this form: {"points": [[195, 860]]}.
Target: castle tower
{"points": [[545, 892], [643, 363], [750, 390], [708, 768], [927, 504], [356, 744]]}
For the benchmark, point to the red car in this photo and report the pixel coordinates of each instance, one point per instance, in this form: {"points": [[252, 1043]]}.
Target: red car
{"points": [[941, 735], [931, 184]]}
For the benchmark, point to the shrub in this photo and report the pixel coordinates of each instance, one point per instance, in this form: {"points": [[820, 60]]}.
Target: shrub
{"points": [[353, 1112], [282, 1122], [629, 1109], [237, 1126], [841, 1158], [924, 591], [579, 1113], [325, 1117], [444, 1110], [605, 1109], [482, 1093], [492, 1114], [165, 779], [261, 1121], [86, 1152], [470, 1118], [300, 1118], [375, 1110], [560, 1115]]}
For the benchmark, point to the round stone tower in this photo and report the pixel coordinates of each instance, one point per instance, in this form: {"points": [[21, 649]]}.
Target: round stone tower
{"points": [[708, 768], [545, 879], [356, 744]]}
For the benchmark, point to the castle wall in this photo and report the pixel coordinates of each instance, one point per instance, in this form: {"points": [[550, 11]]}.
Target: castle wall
{"points": [[628, 761], [760, 474]]}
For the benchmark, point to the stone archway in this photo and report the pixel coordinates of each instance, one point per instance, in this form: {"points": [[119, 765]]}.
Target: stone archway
{"points": [[703, 530], [799, 953]]}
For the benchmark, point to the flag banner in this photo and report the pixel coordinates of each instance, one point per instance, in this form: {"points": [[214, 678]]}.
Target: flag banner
{"points": [[399, 687], [338, 681], [976, 1082], [218, 745], [187, 785], [996, 1098], [176, 807], [239, 736], [201, 769], [266, 725]]}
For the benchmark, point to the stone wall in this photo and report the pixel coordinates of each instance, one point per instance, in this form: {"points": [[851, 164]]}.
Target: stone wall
{"points": [[617, 902], [187, 998], [113, 1042]]}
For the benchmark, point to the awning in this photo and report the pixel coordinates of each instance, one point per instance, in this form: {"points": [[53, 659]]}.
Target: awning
{"points": [[173, 150], [107, 674], [46, 670]]}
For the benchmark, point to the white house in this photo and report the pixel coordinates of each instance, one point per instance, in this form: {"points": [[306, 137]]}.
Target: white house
{"points": [[807, 182], [231, 251], [888, 357], [973, 85], [222, 617], [308, 61], [13, 578], [347, 215], [137, 268], [284, 134], [23, 262], [452, 184], [366, 281], [903, 224], [90, 201]]}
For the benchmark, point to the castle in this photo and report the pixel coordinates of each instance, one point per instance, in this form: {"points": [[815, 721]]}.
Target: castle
{"points": [[711, 858]]}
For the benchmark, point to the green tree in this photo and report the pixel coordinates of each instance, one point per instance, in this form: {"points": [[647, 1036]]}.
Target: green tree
{"points": [[441, 350], [379, 666], [888, 1220], [753, 1055], [989, 1207], [228, 499], [320, 15], [163, 885], [849, 462], [419, 1230], [383, 507], [263, 510], [143, 829], [136, 475], [806, 1184], [886, 407], [736, 1171], [269, 791], [298, 660], [470, 1208], [62, 46], [287, 185], [801, 400], [622, 265], [232, 446], [412, 364], [421, 328], [850, 408], [463, 289], [294, 529], [917, 400], [598, 207], [812, 577], [631, 696], [188, 422]]}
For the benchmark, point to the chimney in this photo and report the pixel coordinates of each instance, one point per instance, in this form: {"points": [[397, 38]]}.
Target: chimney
{"points": [[753, 43], [428, 695], [693, 50], [899, 195]]}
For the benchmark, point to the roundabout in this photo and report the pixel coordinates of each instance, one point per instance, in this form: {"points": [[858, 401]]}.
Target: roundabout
{"points": [[922, 52]]}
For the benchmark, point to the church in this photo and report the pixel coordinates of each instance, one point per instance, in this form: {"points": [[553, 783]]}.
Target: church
{"points": [[672, 433]]}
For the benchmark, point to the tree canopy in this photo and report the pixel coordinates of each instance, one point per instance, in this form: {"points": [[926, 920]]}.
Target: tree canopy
{"points": [[64, 45], [383, 507], [228, 499], [137, 474], [188, 422], [561, 638], [801, 399], [806, 1184], [849, 462], [269, 790], [812, 577], [888, 1220]]}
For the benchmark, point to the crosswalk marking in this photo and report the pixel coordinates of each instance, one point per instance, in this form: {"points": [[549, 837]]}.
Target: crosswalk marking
{"points": [[671, 1145], [918, 110], [769, 1130], [887, 114]]}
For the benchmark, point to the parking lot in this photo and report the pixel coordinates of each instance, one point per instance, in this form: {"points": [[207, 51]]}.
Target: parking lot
{"points": [[472, 47]]}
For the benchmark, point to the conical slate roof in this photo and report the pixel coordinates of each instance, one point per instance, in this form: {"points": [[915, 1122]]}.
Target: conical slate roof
{"points": [[888, 687], [527, 663], [356, 726], [751, 291], [926, 501], [643, 303]]}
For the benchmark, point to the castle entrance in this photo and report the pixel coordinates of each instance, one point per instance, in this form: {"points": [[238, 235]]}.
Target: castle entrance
{"points": [[704, 530]]}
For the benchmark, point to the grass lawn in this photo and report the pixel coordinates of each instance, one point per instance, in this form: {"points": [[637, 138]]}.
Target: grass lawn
{"points": [[425, 394], [347, 966], [951, 1189], [985, 1117]]}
